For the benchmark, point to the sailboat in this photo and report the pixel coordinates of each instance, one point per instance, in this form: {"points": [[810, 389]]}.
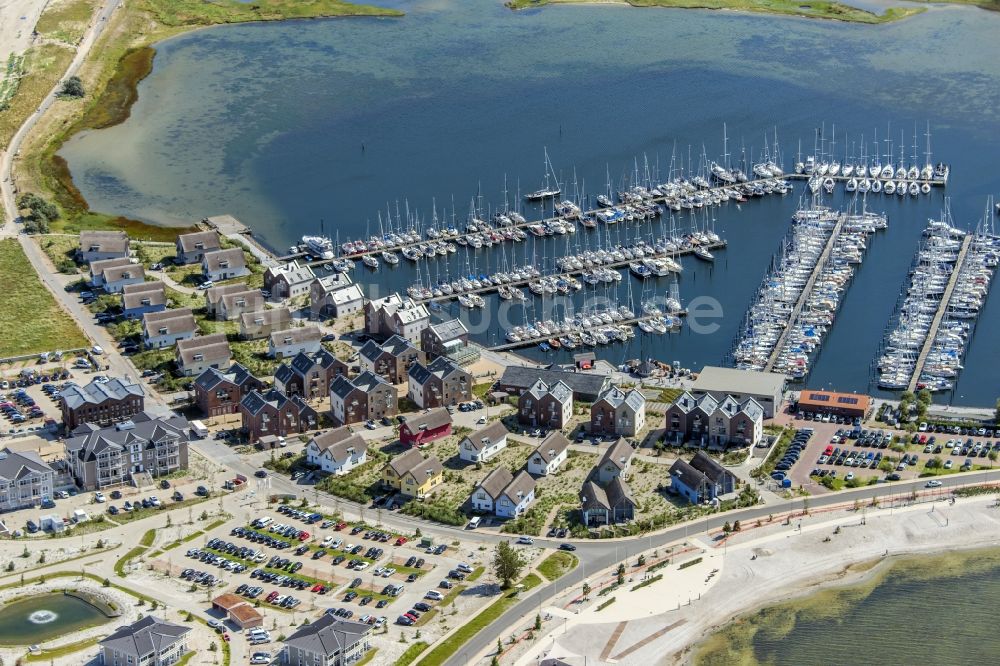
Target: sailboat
{"points": [[546, 192], [370, 261], [702, 253]]}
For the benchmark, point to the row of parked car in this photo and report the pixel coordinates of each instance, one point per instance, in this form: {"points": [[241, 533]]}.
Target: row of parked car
{"points": [[201, 578], [32, 378], [221, 561], [260, 537], [308, 517], [347, 614], [792, 454], [19, 407]]}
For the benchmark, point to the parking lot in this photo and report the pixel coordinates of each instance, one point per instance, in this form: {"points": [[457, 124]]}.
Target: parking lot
{"points": [[848, 455]]}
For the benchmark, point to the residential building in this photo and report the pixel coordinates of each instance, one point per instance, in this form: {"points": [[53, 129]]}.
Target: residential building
{"points": [[25, 480], [706, 421], [99, 267], [102, 402], [289, 280], [607, 505], [191, 248], [412, 474], [165, 328], [421, 429], [701, 480], [292, 341], [218, 392], [328, 641], [766, 388], [394, 315], [337, 451], [273, 413], [235, 303], [444, 339], [260, 324], [364, 397], [333, 296], [99, 245], [115, 278], [618, 413], [138, 299], [146, 642], [615, 463], [224, 264], [484, 443], [549, 455], [851, 405], [487, 492], [214, 295], [442, 382], [198, 354], [515, 499], [309, 375], [546, 406], [391, 359], [586, 386], [103, 457]]}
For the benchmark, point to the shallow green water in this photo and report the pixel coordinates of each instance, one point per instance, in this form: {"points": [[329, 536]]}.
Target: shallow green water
{"points": [[31, 620], [924, 610]]}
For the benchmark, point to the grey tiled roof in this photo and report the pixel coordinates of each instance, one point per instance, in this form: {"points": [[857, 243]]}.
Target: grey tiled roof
{"points": [[87, 442], [495, 482], [709, 467], [449, 330], [213, 260], [487, 435], [522, 485], [105, 241], [618, 453], [214, 347], [212, 377], [209, 241], [150, 634], [292, 336], [435, 418], [585, 385], [14, 465], [339, 440], [133, 294], [328, 636], [180, 320], [96, 393], [552, 446]]}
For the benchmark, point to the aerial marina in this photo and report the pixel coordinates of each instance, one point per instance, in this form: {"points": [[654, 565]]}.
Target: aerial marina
{"points": [[948, 284]]}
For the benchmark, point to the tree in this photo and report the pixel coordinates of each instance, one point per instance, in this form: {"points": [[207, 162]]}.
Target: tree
{"points": [[538, 622], [586, 589], [507, 563], [934, 463], [727, 528], [736, 526], [72, 87]]}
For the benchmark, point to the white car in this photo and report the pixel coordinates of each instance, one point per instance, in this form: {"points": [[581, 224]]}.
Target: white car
{"points": [[434, 595], [327, 541], [97, 350], [261, 658], [361, 567], [934, 483], [481, 420], [100, 498], [526, 540], [206, 285]]}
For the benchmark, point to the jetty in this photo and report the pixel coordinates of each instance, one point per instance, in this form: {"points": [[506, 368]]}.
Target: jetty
{"points": [[939, 314], [806, 291], [236, 231], [631, 322]]}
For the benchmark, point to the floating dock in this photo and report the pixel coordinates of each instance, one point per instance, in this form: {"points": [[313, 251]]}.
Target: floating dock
{"points": [[508, 346]]}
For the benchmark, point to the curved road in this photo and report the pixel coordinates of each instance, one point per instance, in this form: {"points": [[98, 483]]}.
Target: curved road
{"points": [[7, 157]]}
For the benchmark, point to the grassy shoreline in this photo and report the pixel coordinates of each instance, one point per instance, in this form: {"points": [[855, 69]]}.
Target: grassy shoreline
{"points": [[820, 9], [118, 63]]}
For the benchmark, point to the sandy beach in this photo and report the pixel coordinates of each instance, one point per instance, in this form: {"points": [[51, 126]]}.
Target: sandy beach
{"points": [[662, 622]]}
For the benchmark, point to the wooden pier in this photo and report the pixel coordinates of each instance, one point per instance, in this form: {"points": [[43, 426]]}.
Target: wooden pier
{"points": [[918, 369], [806, 291], [933, 182], [534, 342], [572, 273]]}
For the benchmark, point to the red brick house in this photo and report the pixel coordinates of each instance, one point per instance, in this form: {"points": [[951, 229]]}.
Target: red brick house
{"points": [[217, 392], [422, 429], [309, 375], [274, 413]]}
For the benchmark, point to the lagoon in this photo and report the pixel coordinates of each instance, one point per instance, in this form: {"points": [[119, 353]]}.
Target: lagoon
{"points": [[41, 618], [288, 124]]}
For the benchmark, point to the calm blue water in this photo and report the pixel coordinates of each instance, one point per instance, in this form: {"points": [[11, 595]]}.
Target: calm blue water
{"points": [[285, 125]]}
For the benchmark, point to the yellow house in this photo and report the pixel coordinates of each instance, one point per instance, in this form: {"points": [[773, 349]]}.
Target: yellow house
{"points": [[412, 474]]}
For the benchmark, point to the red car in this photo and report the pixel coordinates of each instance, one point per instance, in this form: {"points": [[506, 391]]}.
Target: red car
{"points": [[400, 541], [339, 526], [271, 597], [226, 637], [303, 536], [317, 587]]}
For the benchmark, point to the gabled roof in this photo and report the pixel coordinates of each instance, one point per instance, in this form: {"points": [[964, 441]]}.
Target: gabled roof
{"points": [[537, 390], [292, 272], [348, 294], [212, 261], [618, 454], [552, 446], [87, 442], [618, 491], [215, 294], [133, 295], [397, 345], [104, 241], [368, 381], [96, 393], [431, 420], [446, 331], [255, 401], [145, 636], [442, 367], [127, 271], [176, 322], [561, 391], [585, 385], [615, 397], [487, 435], [688, 475], [333, 283], [327, 636], [99, 267], [210, 348], [495, 482], [753, 409], [371, 351], [265, 317], [522, 485], [342, 387], [248, 298], [709, 467], [292, 336], [203, 240], [16, 465], [338, 441], [592, 496], [212, 377]]}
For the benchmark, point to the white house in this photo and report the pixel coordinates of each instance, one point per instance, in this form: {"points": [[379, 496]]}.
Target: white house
{"points": [[337, 451], [483, 444], [288, 343], [549, 455], [486, 494], [224, 264]]}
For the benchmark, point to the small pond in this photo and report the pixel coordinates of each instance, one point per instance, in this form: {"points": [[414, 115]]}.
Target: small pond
{"points": [[44, 617]]}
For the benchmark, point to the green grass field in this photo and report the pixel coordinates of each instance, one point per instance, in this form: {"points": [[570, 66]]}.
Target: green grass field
{"points": [[557, 564], [30, 319]]}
